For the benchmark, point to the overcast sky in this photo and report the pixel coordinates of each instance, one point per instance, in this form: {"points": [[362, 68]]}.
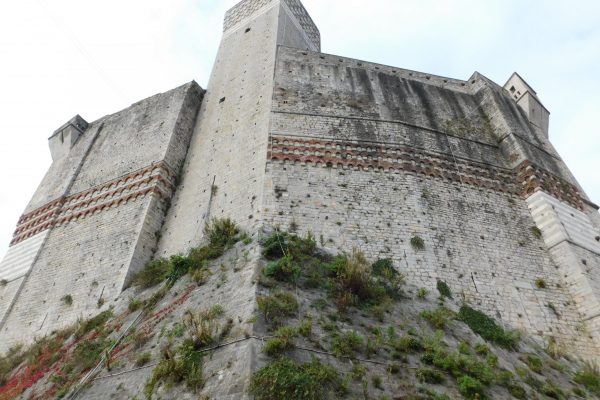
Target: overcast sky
{"points": [[59, 58]]}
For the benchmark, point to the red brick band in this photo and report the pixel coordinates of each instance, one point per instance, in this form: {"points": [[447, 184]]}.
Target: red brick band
{"points": [[533, 178], [526, 179], [156, 179], [386, 158]]}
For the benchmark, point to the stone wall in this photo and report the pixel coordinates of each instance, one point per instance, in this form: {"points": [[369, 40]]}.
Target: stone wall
{"points": [[367, 156], [103, 225]]}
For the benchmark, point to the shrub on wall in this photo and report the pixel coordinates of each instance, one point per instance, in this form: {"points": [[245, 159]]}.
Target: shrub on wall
{"points": [[444, 289], [487, 328], [284, 379], [417, 243]]}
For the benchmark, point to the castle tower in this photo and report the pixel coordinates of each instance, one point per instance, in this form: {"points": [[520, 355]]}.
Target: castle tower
{"points": [[94, 219], [225, 171]]}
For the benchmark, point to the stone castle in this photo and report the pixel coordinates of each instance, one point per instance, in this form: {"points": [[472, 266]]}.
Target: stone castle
{"points": [[360, 154]]}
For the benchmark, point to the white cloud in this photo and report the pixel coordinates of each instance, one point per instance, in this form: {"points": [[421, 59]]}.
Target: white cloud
{"points": [[63, 57]]}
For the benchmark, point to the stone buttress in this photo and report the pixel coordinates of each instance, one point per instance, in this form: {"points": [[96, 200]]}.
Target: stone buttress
{"points": [[94, 220]]}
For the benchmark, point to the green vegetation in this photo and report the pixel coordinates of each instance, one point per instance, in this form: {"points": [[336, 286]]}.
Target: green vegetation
{"points": [[221, 235], [15, 357], [184, 363], [407, 344], [487, 328], [283, 270], [277, 306], [422, 293], [536, 232], [428, 375], [282, 342], [417, 243], [589, 376], [281, 245], [353, 282], [68, 300], [439, 317], [444, 289], [540, 283], [154, 273], [377, 382], [86, 355], [470, 387], [284, 379], [143, 359], [347, 344], [348, 278], [135, 304], [534, 363], [95, 323]]}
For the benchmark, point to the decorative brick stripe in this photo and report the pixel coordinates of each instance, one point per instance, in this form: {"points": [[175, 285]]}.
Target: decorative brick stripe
{"points": [[534, 178], [389, 158], [156, 179]]}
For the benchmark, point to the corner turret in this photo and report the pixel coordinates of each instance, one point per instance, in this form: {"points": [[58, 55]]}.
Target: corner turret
{"points": [[527, 99], [63, 139]]}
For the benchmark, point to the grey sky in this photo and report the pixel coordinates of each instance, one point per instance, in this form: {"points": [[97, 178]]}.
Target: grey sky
{"points": [[59, 58]]}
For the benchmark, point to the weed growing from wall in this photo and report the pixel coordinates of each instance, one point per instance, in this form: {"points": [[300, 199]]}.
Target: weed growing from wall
{"points": [[444, 289], [417, 243]]}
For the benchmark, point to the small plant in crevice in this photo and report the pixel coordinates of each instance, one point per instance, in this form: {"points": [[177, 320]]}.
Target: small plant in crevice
{"points": [[135, 304], [100, 302], [143, 359], [534, 363], [407, 344], [417, 243], [428, 375], [347, 344], [540, 283], [536, 232], [95, 323], [68, 300], [554, 349], [377, 382], [439, 317], [282, 342], [277, 306], [552, 308], [422, 293], [444, 289]]}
